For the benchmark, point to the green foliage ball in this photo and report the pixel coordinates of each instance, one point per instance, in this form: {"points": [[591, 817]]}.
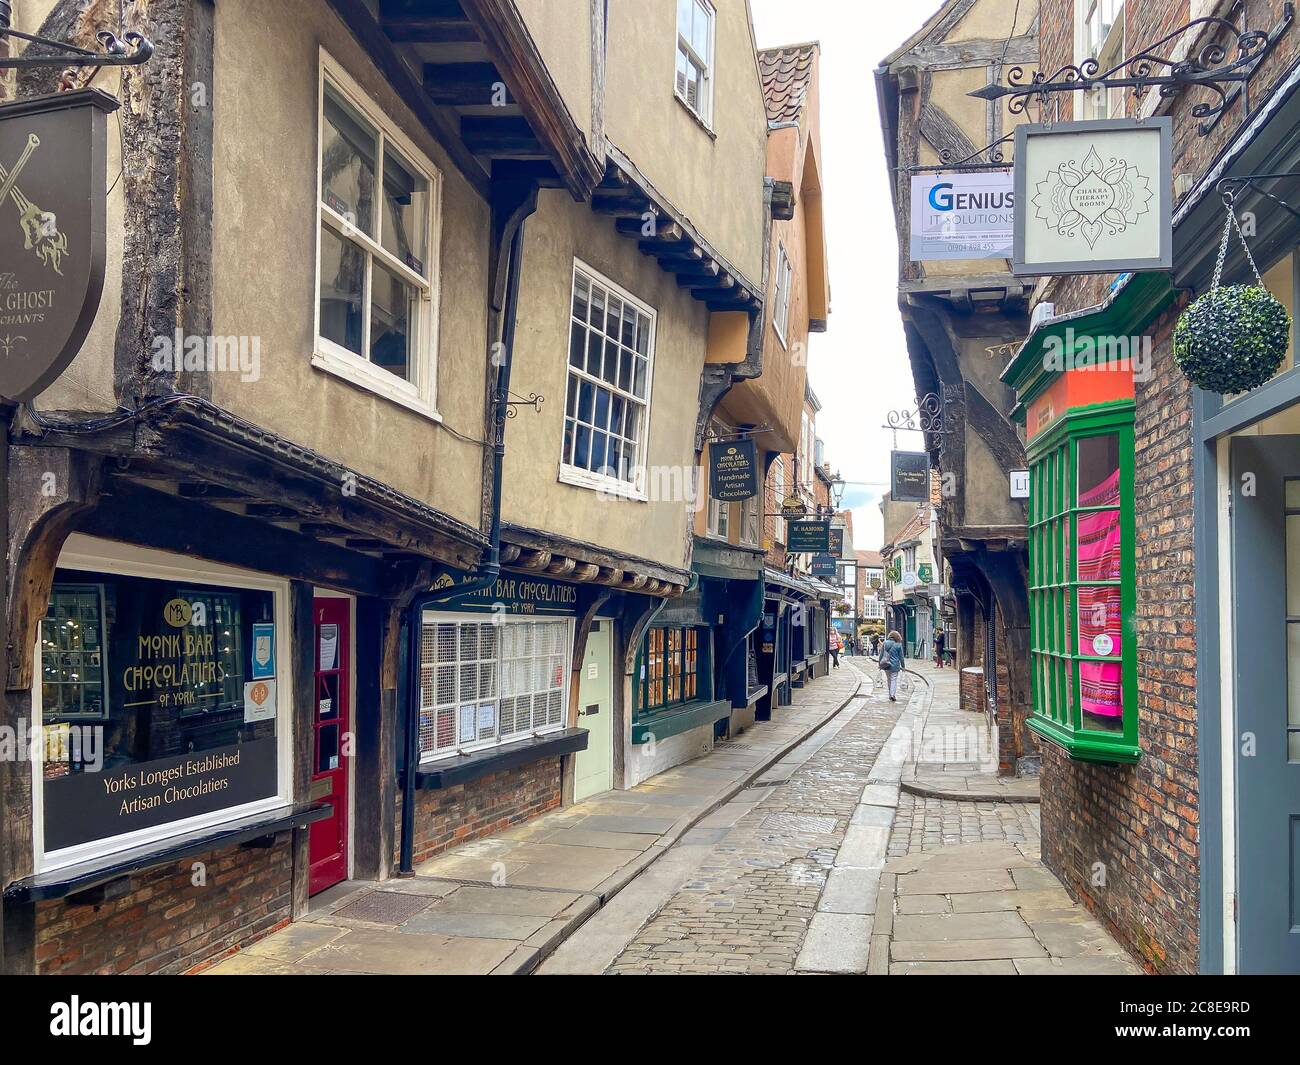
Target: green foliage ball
{"points": [[1232, 339]]}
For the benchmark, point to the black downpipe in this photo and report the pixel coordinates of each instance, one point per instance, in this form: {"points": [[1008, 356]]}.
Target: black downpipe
{"points": [[487, 572]]}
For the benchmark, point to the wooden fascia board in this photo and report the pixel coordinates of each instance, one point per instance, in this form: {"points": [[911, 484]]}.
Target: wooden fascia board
{"points": [[1129, 308]]}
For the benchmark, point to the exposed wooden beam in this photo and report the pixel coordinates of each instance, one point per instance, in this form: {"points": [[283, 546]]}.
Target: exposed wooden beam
{"points": [[499, 136], [461, 84], [534, 171], [712, 284], [378, 46], [667, 232], [218, 535]]}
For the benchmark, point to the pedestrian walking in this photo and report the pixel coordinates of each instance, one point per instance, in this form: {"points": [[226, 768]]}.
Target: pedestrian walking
{"points": [[940, 642], [891, 662], [835, 648]]}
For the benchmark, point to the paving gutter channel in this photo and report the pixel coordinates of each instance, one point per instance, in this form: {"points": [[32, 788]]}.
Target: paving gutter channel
{"points": [[606, 890]]}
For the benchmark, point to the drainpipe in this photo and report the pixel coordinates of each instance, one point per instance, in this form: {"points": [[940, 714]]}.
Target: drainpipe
{"points": [[486, 573]]}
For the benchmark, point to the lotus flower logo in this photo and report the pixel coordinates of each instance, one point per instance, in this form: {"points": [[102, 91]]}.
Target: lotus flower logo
{"points": [[1093, 197]]}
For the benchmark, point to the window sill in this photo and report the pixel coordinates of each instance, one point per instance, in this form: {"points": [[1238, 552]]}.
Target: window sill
{"points": [[1085, 746], [463, 768], [369, 381], [696, 117], [83, 877], [606, 486], [664, 723]]}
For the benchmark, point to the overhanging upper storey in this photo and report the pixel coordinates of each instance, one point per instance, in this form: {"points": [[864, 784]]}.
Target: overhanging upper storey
{"points": [[470, 71]]}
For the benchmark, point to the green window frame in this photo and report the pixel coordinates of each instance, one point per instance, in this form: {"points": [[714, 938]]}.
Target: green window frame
{"points": [[1076, 587], [672, 669]]}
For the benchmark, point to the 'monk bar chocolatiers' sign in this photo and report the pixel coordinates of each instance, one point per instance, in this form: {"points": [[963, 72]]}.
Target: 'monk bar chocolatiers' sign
{"points": [[52, 225]]}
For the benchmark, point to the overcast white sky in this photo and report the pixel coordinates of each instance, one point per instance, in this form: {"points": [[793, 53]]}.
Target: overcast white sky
{"points": [[858, 367]]}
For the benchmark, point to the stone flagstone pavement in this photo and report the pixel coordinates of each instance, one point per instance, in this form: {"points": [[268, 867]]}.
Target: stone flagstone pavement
{"points": [[502, 904], [964, 889]]}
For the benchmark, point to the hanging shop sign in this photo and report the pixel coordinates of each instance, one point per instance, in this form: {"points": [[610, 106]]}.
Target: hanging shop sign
{"points": [[837, 541], [909, 478], [52, 211], [1093, 197], [925, 573], [793, 507], [809, 537], [1019, 484], [963, 216], [733, 470], [825, 565], [513, 593]]}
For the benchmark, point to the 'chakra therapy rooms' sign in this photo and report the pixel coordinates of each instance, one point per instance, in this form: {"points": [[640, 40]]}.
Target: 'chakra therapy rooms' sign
{"points": [[52, 207], [1093, 197]]}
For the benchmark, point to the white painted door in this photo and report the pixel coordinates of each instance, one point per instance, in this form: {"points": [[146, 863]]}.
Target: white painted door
{"points": [[595, 768]]}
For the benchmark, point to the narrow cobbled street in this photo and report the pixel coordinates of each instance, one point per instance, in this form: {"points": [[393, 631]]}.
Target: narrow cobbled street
{"points": [[771, 854]]}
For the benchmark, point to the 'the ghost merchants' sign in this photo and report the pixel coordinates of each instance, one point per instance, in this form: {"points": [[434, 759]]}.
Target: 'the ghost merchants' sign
{"points": [[1093, 197], [52, 224]]}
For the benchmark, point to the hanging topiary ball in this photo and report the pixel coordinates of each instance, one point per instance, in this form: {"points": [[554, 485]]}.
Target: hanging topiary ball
{"points": [[1232, 339]]}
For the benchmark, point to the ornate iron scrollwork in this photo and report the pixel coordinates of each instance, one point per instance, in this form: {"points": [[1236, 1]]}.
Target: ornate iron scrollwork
{"points": [[926, 417], [1212, 67], [128, 50]]}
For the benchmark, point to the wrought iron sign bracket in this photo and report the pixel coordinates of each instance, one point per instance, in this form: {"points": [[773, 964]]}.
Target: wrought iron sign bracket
{"points": [[129, 50], [993, 152], [1216, 67], [1231, 187], [534, 400], [928, 417]]}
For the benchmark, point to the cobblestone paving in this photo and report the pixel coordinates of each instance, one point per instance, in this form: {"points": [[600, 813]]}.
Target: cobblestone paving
{"points": [[923, 824], [747, 908]]}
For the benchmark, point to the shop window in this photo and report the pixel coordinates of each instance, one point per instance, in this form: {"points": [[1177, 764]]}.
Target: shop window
{"points": [[1082, 586], [485, 682], [378, 231], [672, 669], [160, 709], [606, 413]]}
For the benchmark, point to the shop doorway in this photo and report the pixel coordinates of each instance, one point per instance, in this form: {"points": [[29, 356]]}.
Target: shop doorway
{"points": [[1266, 631], [331, 726], [595, 767]]}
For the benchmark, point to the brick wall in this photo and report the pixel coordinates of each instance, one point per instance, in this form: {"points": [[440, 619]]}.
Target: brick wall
{"points": [[167, 924], [1125, 840], [450, 816]]}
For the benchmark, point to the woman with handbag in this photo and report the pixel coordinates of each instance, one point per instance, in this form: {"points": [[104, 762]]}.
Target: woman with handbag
{"points": [[891, 662]]}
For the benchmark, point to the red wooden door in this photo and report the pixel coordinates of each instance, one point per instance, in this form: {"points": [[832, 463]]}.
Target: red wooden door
{"points": [[328, 843]]}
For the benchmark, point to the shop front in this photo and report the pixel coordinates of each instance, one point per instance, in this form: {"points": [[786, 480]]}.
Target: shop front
{"points": [[496, 676], [731, 583]]}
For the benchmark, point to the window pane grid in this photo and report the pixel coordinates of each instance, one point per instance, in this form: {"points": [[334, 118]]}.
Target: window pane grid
{"points": [[609, 357], [483, 682], [374, 234]]}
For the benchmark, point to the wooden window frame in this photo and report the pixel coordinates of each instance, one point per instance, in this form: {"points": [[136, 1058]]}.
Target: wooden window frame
{"points": [[673, 669], [1054, 584], [704, 111], [421, 393]]}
